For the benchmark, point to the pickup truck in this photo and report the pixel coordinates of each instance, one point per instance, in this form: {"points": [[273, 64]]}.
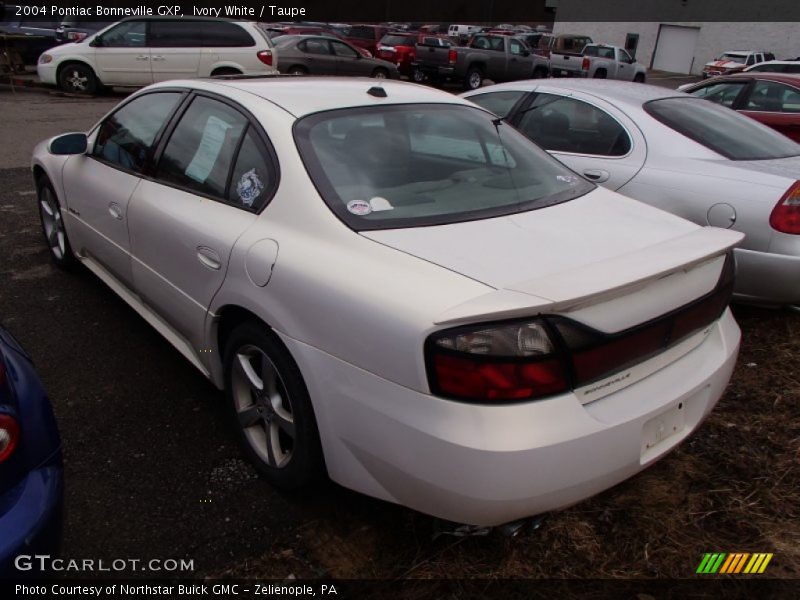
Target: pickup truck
{"points": [[599, 61], [401, 48], [495, 57], [734, 62]]}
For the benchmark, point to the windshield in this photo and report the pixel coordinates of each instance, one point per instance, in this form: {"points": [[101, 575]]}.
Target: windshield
{"points": [[738, 58], [721, 129], [427, 164]]}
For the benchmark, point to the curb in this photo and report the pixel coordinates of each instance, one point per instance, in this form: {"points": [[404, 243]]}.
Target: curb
{"points": [[23, 83]]}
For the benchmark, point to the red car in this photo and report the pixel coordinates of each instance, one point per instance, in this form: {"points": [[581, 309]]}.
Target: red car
{"points": [[770, 98], [400, 48], [366, 36]]}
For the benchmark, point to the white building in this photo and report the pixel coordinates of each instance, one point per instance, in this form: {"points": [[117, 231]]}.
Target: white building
{"points": [[679, 46]]}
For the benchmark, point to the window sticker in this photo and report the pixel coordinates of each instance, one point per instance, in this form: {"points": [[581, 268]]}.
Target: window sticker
{"points": [[249, 187], [571, 179], [378, 203], [208, 151], [359, 207]]}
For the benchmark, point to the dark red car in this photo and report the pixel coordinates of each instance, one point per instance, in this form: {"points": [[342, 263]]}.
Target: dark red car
{"points": [[366, 36], [400, 48], [770, 98]]}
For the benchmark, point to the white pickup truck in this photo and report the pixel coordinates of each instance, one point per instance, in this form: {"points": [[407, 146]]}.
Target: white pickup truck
{"points": [[597, 60]]}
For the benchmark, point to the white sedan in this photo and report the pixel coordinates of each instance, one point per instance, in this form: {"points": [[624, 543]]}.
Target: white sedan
{"points": [[395, 288], [696, 159]]}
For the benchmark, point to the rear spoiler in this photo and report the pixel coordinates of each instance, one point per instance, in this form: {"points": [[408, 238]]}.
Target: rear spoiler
{"points": [[596, 282]]}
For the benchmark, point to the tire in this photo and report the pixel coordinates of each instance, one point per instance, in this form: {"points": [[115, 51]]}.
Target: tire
{"points": [[474, 78], [540, 73], [600, 74], [639, 78], [380, 73], [297, 71], [52, 220], [277, 429], [418, 76], [225, 71], [77, 78]]}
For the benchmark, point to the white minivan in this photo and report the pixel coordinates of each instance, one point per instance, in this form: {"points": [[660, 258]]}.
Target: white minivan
{"points": [[462, 30], [140, 51]]}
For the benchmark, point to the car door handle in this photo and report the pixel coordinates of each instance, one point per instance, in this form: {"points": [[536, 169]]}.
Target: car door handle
{"points": [[597, 175], [159, 58], [142, 57], [115, 210], [208, 258]]}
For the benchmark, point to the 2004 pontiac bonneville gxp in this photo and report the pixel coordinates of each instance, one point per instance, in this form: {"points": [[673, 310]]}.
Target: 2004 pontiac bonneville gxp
{"points": [[398, 289]]}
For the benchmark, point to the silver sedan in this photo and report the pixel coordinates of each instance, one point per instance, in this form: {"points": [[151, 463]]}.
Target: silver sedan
{"points": [[701, 161]]}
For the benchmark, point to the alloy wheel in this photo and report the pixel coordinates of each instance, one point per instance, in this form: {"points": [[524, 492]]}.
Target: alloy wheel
{"points": [[53, 223]]}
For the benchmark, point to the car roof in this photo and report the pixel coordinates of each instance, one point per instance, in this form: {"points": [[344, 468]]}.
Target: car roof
{"points": [[620, 93], [774, 62], [788, 78], [300, 96]]}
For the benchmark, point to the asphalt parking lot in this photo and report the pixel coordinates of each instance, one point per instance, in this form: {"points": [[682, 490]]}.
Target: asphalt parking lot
{"points": [[153, 470]]}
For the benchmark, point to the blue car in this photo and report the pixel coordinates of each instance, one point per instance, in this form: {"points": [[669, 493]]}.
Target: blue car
{"points": [[31, 472]]}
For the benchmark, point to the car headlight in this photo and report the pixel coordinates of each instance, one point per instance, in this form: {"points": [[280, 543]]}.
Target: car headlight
{"points": [[45, 58]]}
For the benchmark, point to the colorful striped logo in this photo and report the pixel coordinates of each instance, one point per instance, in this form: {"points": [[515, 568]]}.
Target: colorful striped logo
{"points": [[734, 563]]}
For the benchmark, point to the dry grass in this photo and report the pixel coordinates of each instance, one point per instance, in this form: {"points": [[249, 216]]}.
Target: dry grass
{"points": [[734, 486]]}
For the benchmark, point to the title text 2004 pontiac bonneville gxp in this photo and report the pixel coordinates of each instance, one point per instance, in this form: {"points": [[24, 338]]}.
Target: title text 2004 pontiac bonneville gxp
{"points": [[399, 289]]}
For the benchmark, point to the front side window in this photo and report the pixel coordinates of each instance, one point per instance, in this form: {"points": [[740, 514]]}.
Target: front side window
{"points": [[724, 131], [200, 150], [422, 164], [128, 136], [128, 34], [500, 103], [770, 96], [724, 93], [568, 125], [219, 34], [515, 47], [625, 57]]}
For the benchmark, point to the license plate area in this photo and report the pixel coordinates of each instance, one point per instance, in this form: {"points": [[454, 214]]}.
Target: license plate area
{"points": [[662, 431]]}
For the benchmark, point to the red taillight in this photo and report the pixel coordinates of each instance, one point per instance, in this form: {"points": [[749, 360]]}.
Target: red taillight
{"points": [[497, 379], [265, 56], [452, 56], [785, 216], [9, 436], [586, 63]]}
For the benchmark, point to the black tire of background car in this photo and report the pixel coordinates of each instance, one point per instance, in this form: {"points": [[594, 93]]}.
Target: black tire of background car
{"points": [[474, 74], [540, 72], [306, 466], [380, 73], [639, 78], [225, 71], [600, 74], [297, 70], [68, 260]]}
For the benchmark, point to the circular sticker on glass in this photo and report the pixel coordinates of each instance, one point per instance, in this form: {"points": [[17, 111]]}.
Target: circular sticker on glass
{"points": [[359, 207]]}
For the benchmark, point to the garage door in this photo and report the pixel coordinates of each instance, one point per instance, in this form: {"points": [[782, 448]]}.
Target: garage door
{"points": [[675, 49]]}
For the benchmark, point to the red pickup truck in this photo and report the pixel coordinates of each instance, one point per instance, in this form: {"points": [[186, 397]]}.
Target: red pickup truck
{"points": [[400, 48]]}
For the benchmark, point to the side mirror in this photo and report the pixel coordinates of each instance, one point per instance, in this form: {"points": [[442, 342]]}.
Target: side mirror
{"points": [[526, 53], [69, 143]]}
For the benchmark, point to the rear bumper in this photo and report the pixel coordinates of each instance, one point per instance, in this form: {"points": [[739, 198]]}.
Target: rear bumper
{"points": [[767, 278], [487, 465], [33, 518]]}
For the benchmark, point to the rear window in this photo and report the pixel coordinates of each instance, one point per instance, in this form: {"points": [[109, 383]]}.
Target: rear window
{"points": [[397, 40], [427, 164], [721, 129], [738, 58]]}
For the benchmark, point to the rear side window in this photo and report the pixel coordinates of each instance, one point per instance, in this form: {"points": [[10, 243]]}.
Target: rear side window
{"points": [[200, 150], [770, 96], [312, 46], [126, 138], [175, 34], [722, 130], [569, 125], [500, 103], [343, 50], [219, 34]]}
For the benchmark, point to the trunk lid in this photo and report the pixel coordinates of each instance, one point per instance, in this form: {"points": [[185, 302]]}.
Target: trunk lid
{"points": [[587, 251]]}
